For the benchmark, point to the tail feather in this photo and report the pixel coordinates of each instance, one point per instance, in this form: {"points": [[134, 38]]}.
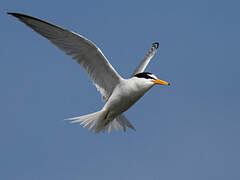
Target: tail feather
{"points": [[114, 124], [89, 121], [124, 121], [97, 122], [120, 122]]}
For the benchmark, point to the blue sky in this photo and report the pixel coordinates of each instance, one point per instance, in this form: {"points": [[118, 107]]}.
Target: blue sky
{"points": [[187, 131]]}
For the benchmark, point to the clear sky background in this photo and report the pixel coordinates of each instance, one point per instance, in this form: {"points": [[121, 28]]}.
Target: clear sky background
{"points": [[187, 131]]}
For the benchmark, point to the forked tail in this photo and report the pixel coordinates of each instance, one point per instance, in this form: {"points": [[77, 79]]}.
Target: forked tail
{"points": [[97, 122], [90, 121]]}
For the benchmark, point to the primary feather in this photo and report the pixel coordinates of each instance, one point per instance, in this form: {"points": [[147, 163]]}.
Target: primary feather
{"points": [[85, 52]]}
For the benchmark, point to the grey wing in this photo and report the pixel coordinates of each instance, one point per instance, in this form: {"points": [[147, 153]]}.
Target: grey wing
{"points": [[142, 66], [86, 53]]}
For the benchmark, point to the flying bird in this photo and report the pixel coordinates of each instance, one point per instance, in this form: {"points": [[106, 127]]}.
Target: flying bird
{"points": [[119, 94]]}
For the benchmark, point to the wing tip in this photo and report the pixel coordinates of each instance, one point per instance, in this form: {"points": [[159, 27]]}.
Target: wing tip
{"points": [[18, 15], [155, 45], [13, 14]]}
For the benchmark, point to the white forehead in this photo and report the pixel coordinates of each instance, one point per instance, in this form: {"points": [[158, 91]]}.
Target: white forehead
{"points": [[153, 76]]}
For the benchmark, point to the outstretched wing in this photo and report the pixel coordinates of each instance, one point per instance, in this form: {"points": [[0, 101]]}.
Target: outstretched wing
{"points": [[142, 66], [86, 53]]}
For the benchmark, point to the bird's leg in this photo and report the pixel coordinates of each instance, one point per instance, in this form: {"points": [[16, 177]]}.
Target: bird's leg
{"points": [[106, 119]]}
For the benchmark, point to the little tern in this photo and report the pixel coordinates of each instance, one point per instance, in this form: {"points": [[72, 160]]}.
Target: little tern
{"points": [[119, 94]]}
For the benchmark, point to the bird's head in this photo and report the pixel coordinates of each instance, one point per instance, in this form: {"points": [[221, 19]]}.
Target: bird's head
{"points": [[150, 79]]}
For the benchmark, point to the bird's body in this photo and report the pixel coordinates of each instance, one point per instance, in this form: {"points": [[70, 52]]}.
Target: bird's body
{"points": [[126, 93], [119, 94]]}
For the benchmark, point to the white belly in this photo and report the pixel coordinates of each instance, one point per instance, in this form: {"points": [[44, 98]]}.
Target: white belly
{"points": [[123, 97]]}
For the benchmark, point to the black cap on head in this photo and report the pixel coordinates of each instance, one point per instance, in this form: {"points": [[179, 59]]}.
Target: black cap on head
{"points": [[146, 75]]}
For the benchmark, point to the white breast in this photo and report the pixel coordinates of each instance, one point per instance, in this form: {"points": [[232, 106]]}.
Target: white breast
{"points": [[126, 93]]}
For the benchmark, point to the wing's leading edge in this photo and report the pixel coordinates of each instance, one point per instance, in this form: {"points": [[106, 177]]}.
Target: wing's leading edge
{"points": [[86, 53]]}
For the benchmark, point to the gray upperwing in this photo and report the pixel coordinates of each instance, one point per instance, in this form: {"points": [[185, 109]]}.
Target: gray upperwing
{"points": [[142, 66]]}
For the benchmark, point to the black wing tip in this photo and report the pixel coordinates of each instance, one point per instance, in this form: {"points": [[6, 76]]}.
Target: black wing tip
{"points": [[18, 15], [13, 14], [155, 44], [23, 17]]}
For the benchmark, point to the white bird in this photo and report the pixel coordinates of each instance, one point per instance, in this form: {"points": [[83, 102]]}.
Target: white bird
{"points": [[119, 94]]}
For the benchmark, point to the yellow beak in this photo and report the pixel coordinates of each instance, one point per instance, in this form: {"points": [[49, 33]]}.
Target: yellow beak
{"points": [[158, 81]]}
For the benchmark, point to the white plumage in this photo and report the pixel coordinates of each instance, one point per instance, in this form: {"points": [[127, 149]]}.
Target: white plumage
{"points": [[118, 93]]}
